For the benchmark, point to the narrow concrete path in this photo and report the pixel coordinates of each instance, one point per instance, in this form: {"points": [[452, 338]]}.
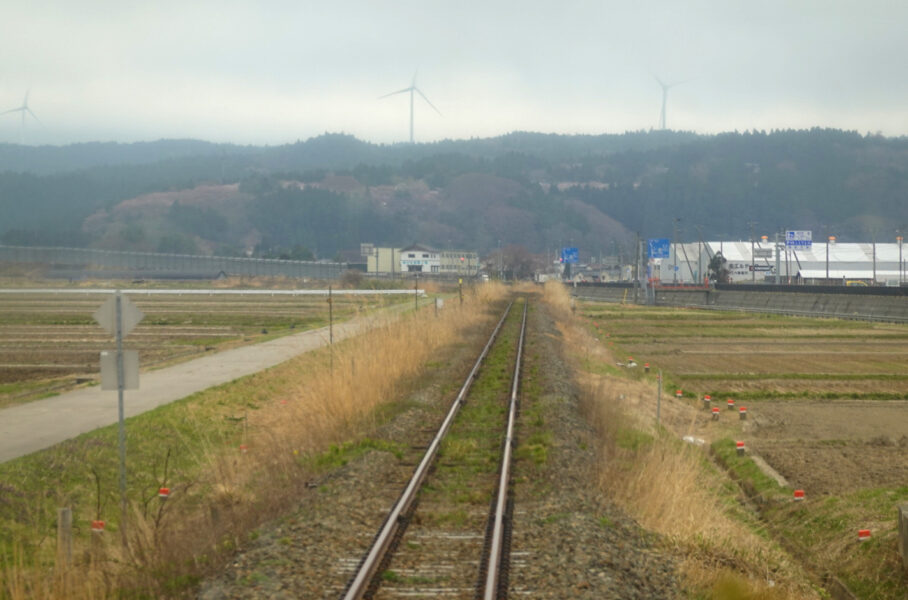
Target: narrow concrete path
{"points": [[37, 425]]}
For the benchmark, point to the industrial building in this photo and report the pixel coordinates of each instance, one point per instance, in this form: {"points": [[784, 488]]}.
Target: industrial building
{"points": [[828, 263], [421, 259]]}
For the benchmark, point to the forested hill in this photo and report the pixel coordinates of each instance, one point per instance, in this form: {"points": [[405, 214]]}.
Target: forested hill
{"points": [[328, 151], [332, 192]]}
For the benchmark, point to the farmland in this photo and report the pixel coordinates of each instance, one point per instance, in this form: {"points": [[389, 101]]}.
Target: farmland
{"points": [[49, 342], [827, 409]]}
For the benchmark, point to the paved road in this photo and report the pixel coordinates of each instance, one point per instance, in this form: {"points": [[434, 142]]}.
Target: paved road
{"points": [[37, 425]]}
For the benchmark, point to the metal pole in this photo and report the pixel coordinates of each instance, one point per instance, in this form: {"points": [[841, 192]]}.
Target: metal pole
{"points": [[637, 268], [121, 427], [874, 262], [500, 261], [827, 259], [753, 271], [778, 260], [659, 400], [901, 269], [415, 292], [330, 329]]}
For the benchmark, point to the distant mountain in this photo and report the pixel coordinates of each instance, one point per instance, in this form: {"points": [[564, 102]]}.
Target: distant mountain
{"points": [[330, 193], [328, 151]]}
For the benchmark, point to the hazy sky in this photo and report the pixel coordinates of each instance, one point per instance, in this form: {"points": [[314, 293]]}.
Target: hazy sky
{"points": [[272, 72]]}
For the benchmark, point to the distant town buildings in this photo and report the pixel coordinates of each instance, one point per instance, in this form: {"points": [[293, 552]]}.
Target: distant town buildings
{"points": [[418, 258]]}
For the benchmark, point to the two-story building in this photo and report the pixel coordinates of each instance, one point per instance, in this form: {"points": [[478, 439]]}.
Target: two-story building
{"points": [[419, 259]]}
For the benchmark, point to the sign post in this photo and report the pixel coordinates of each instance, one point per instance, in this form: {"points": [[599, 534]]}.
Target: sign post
{"points": [[119, 316]]}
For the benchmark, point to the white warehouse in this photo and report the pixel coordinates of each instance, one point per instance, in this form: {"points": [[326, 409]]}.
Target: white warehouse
{"points": [[821, 263]]}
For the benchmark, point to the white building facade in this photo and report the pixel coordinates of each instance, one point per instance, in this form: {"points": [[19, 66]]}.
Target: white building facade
{"points": [[419, 259], [759, 262]]}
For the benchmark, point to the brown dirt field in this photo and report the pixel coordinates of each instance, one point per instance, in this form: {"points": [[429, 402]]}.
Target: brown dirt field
{"points": [[817, 437], [833, 447], [49, 341], [770, 388]]}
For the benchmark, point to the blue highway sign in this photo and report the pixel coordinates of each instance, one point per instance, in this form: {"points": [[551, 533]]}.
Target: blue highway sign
{"points": [[658, 248], [570, 255]]}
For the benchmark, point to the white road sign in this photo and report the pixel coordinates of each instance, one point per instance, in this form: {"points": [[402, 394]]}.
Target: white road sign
{"points": [[106, 316], [109, 370]]}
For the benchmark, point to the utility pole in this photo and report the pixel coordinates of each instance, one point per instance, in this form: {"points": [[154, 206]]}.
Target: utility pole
{"points": [[753, 271], [778, 261], [830, 240], [874, 261], [898, 239], [121, 423], [500, 261], [636, 267]]}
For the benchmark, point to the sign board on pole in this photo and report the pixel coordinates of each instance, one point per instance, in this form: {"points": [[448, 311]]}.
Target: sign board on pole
{"points": [[798, 239], [106, 315], [658, 248], [570, 255], [109, 370], [762, 252]]}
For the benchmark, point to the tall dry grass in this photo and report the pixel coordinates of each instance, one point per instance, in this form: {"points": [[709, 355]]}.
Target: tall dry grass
{"points": [[333, 398], [669, 486]]}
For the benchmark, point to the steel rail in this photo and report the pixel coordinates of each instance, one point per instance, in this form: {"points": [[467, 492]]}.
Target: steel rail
{"points": [[373, 559], [496, 556]]}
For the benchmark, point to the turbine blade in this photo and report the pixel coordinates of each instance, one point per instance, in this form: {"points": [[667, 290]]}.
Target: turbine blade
{"points": [[11, 110], [414, 78], [419, 91], [34, 116], [658, 80], [397, 92]]}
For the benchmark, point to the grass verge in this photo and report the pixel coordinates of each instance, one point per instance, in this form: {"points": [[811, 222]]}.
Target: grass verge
{"points": [[232, 456]]}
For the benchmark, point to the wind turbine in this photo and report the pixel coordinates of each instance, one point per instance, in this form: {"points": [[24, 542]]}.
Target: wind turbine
{"points": [[665, 88], [24, 109], [412, 89]]}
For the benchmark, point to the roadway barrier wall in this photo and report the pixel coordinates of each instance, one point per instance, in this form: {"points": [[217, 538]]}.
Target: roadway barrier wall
{"points": [[887, 304], [151, 264]]}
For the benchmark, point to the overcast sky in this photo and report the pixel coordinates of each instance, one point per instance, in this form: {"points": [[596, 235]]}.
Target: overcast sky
{"points": [[273, 72]]}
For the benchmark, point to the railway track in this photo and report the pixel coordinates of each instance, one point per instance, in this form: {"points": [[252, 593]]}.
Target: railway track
{"points": [[456, 542]]}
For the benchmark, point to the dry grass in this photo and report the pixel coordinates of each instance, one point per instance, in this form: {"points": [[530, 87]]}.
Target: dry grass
{"points": [[670, 487], [333, 397]]}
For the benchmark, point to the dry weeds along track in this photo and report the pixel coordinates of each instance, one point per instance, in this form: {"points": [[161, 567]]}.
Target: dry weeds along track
{"points": [[566, 542]]}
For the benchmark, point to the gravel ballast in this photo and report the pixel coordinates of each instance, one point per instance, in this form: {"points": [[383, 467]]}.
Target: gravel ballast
{"points": [[567, 541]]}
